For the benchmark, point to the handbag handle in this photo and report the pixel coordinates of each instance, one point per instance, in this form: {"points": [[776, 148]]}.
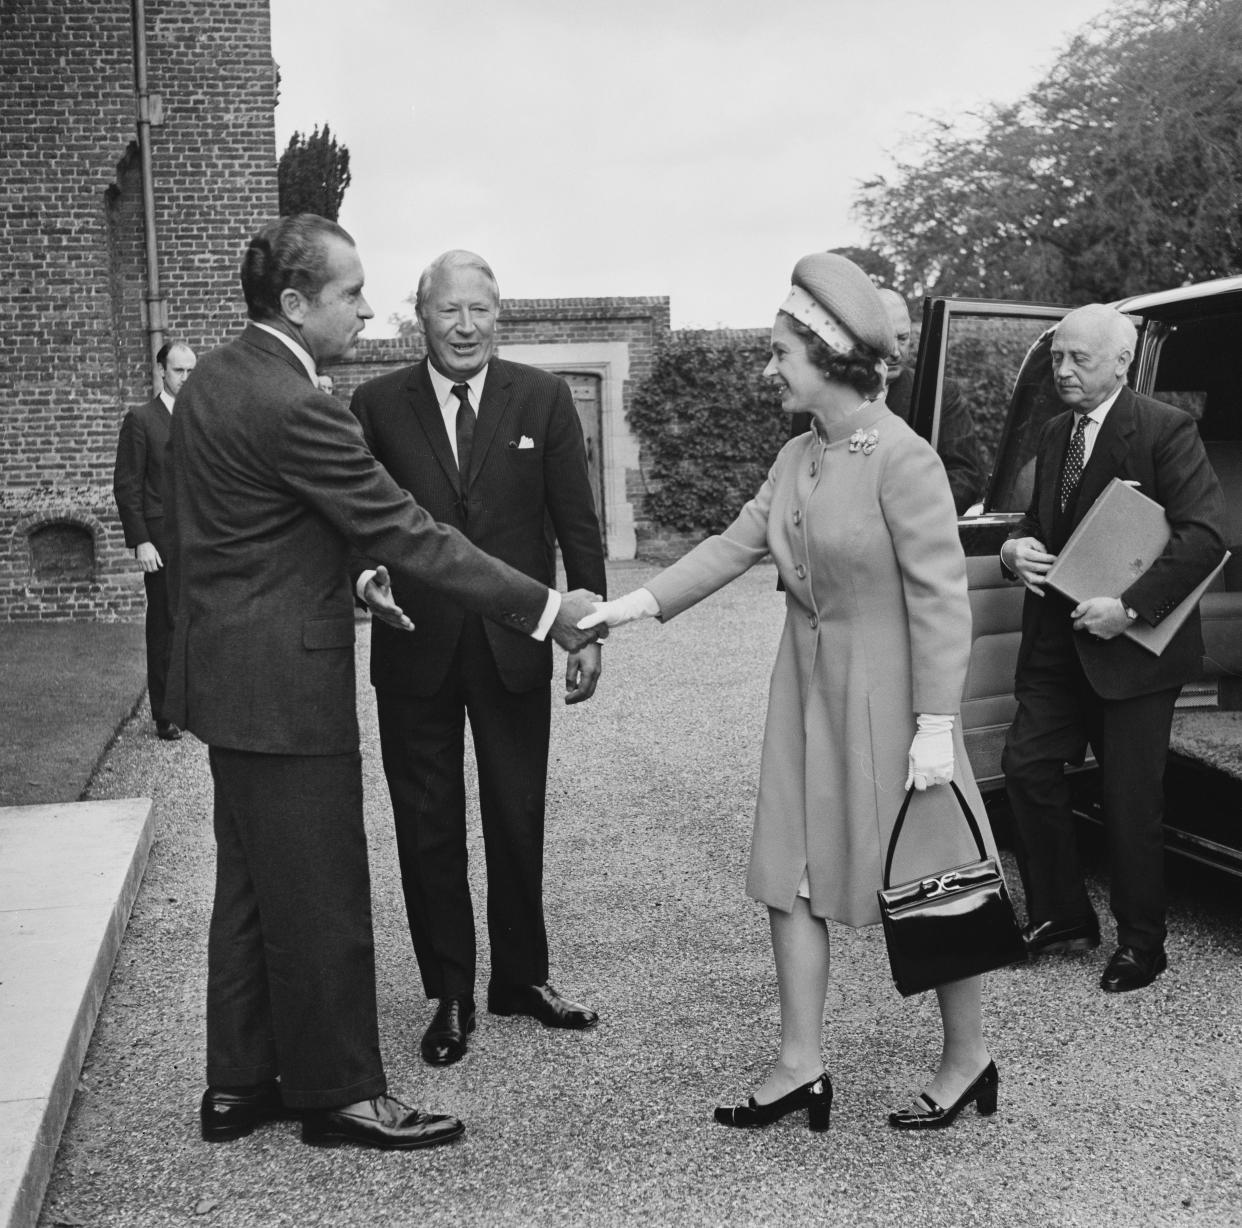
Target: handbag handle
{"points": [[901, 818]]}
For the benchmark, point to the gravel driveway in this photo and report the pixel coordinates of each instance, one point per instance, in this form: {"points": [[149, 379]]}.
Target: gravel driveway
{"points": [[1114, 1110]]}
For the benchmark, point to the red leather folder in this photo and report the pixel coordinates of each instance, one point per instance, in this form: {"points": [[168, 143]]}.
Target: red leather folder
{"points": [[1119, 538]]}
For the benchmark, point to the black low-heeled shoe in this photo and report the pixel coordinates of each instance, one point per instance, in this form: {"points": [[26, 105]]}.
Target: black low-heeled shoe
{"points": [[815, 1097], [982, 1091]]}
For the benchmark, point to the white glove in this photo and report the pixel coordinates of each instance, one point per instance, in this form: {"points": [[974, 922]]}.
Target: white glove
{"points": [[633, 606], [931, 752]]}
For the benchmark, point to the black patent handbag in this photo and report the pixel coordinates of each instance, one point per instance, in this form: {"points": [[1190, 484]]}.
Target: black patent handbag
{"points": [[948, 926]]}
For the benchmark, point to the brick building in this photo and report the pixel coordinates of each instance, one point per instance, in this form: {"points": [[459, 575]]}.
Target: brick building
{"points": [[73, 247], [74, 303]]}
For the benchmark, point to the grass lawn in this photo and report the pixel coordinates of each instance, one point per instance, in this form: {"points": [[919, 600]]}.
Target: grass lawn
{"points": [[65, 689]]}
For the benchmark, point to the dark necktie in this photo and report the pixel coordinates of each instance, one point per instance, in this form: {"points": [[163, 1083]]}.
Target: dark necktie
{"points": [[465, 433], [1071, 474]]}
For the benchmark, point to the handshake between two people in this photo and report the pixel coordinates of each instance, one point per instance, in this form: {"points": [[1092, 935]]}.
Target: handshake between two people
{"points": [[568, 630]]}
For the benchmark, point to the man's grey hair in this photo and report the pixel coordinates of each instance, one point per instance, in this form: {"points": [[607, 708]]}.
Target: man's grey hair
{"points": [[1108, 323], [458, 258]]}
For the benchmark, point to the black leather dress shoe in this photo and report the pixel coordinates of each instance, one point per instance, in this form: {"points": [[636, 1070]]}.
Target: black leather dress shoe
{"points": [[1061, 937], [232, 1112], [444, 1041], [1132, 968], [166, 731], [540, 1002], [384, 1122]]}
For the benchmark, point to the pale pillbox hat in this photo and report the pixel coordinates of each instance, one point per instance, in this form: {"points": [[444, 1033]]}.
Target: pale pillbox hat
{"points": [[845, 295]]}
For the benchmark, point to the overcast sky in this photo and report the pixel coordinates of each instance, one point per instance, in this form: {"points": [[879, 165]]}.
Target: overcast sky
{"points": [[689, 148]]}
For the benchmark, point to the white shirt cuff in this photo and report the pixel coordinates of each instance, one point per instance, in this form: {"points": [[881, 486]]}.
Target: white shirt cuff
{"points": [[550, 611]]}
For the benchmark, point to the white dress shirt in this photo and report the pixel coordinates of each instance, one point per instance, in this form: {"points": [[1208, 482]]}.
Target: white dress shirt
{"points": [[443, 388], [1095, 420]]}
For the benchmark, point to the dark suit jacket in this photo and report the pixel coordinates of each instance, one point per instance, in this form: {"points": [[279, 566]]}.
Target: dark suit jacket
{"points": [[138, 479], [1158, 447], [270, 484], [518, 500]]}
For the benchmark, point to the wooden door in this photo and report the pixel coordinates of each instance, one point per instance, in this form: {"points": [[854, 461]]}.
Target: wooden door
{"points": [[586, 393]]}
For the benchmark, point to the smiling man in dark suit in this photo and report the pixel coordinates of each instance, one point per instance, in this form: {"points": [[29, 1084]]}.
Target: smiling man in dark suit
{"points": [[1079, 679], [138, 486], [270, 485], [495, 449]]}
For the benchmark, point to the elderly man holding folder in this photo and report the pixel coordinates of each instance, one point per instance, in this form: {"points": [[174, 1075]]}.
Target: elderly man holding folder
{"points": [[1079, 679]]}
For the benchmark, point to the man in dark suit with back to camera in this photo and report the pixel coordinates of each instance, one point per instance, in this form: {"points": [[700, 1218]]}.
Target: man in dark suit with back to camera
{"points": [[138, 487], [271, 484], [495, 449], [1079, 679]]}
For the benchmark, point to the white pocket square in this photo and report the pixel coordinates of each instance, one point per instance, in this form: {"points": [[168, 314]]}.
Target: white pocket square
{"points": [[526, 442]]}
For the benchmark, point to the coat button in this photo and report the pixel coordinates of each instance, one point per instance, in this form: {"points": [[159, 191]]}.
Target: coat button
{"points": [[800, 572], [797, 515], [814, 620], [814, 468]]}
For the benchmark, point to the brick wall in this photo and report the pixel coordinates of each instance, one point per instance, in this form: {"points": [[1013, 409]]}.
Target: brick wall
{"points": [[72, 247]]}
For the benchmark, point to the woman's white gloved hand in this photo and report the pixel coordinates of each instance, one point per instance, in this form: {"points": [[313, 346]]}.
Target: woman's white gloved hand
{"points": [[931, 752], [633, 606]]}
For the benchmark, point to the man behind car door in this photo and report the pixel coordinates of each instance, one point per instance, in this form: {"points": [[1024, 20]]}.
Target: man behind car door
{"points": [[1079, 680]]}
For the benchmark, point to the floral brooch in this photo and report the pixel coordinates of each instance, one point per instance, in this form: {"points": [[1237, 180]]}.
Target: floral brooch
{"points": [[864, 441]]}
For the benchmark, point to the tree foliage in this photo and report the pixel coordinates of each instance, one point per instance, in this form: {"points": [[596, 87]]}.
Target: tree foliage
{"points": [[312, 174], [710, 426], [1120, 171], [405, 322], [874, 263]]}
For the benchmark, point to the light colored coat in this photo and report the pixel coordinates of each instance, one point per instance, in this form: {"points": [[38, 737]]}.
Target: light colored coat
{"points": [[877, 629]]}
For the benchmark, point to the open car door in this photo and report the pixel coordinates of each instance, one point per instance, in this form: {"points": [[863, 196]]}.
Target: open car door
{"points": [[991, 359]]}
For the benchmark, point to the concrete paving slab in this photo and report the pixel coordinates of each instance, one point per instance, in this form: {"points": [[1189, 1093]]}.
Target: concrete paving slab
{"points": [[69, 874]]}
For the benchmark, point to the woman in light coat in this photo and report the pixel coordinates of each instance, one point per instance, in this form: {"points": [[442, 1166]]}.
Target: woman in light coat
{"points": [[858, 516]]}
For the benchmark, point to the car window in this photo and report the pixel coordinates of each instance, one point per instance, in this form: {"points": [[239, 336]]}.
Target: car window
{"points": [[1198, 368], [984, 356], [1033, 401], [992, 357]]}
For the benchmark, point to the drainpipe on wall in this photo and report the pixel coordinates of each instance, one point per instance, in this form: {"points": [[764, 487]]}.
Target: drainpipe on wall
{"points": [[150, 113]]}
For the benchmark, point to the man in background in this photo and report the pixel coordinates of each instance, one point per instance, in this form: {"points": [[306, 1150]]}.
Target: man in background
{"points": [[956, 442], [1079, 679], [138, 487], [495, 449]]}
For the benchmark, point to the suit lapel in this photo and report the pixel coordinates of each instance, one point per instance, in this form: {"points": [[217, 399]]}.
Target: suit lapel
{"points": [[493, 411], [425, 410]]}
